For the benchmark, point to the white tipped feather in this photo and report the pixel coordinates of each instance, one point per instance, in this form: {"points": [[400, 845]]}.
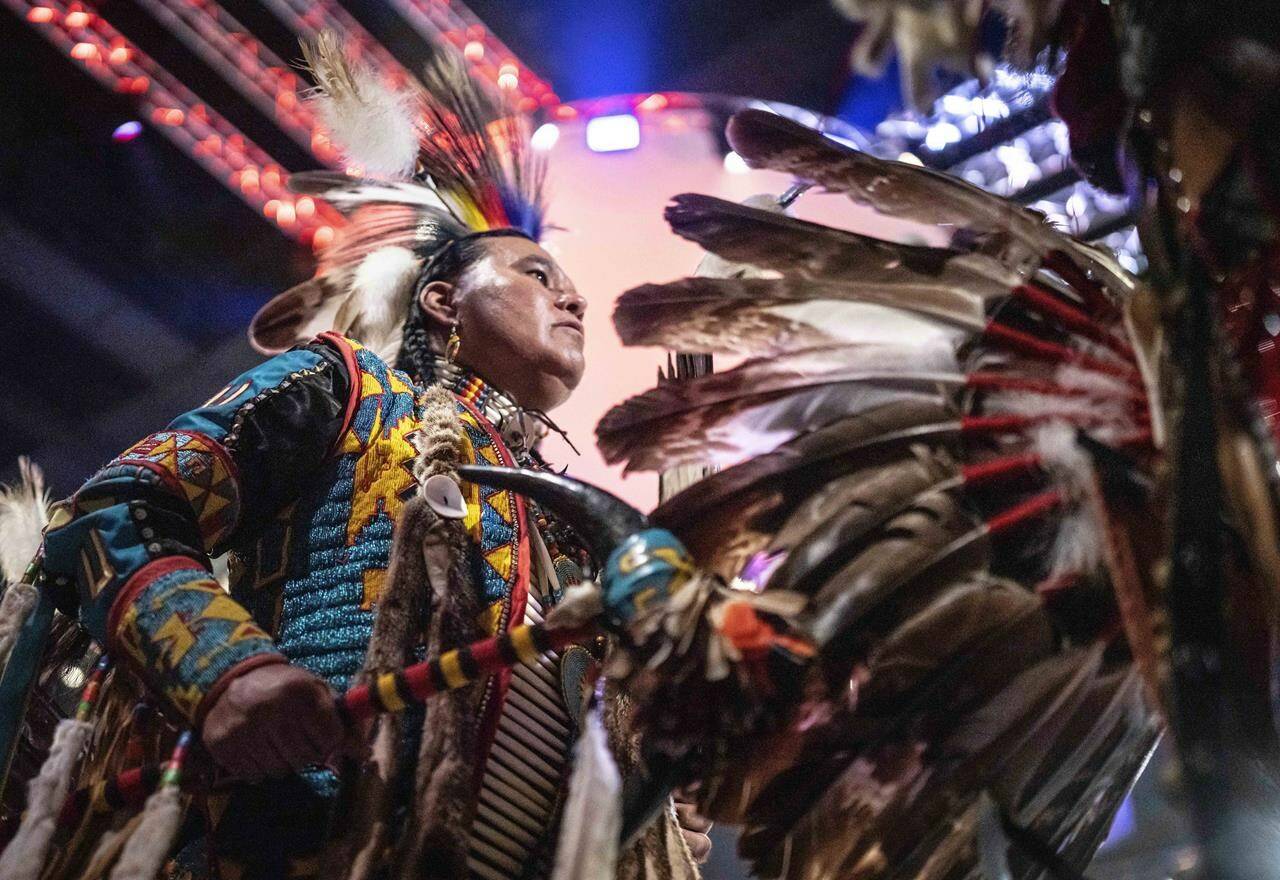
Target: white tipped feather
{"points": [[373, 124], [588, 847], [24, 512], [363, 192], [382, 286]]}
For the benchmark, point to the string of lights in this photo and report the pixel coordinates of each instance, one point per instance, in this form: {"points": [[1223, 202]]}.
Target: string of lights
{"points": [[179, 114], [265, 80], [488, 57], [307, 19], [1000, 137]]}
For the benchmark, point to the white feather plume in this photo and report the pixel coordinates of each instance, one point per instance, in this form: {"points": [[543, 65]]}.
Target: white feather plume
{"points": [[373, 124], [1077, 546], [1092, 382], [380, 292], [24, 512]]}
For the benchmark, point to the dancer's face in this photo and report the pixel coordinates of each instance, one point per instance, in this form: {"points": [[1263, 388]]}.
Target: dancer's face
{"points": [[519, 319]]}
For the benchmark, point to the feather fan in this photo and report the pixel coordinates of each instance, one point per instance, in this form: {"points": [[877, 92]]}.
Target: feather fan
{"points": [[904, 444]]}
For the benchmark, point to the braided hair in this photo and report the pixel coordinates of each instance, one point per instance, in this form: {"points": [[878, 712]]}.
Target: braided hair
{"points": [[417, 356]]}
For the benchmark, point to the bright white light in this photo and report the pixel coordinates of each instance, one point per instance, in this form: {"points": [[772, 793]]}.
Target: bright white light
{"points": [[956, 105], [1077, 205], [545, 137], [735, 164], [73, 677], [909, 158], [611, 134], [989, 107], [940, 135]]}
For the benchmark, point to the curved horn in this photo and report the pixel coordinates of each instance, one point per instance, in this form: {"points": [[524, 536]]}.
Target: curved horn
{"points": [[602, 520]]}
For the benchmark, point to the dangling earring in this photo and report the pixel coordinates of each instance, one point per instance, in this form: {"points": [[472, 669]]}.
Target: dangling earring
{"points": [[455, 342]]}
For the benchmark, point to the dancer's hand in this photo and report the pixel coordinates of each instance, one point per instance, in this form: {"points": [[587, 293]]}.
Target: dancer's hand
{"points": [[694, 827], [272, 721]]}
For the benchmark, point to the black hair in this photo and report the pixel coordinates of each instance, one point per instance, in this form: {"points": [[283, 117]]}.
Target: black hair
{"points": [[446, 263]]}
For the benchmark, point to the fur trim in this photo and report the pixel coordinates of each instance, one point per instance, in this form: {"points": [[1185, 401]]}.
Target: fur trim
{"points": [[24, 857], [24, 512], [374, 125]]}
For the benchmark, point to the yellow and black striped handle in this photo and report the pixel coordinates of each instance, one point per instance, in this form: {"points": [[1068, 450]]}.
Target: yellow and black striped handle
{"points": [[394, 691]]}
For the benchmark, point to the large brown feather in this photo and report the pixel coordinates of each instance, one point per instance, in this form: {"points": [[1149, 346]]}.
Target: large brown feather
{"points": [[827, 528], [775, 241], [1020, 238], [770, 485], [735, 315], [722, 415]]}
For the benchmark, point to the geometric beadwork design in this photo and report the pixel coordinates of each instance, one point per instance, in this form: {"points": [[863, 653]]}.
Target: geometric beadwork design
{"points": [[494, 518], [184, 632], [197, 467]]}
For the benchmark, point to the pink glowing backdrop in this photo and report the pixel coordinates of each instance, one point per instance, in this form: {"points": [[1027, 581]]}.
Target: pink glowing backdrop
{"points": [[614, 237]]}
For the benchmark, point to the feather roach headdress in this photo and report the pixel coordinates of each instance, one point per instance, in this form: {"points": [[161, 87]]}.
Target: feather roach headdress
{"points": [[429, 163]]}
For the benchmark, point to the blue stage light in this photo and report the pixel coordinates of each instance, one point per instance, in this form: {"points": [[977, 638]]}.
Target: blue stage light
{"points": [[126, 131]]}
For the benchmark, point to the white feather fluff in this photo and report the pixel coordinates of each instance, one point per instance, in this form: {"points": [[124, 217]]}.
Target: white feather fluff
{"points": [[382, 284], [1107, 419], [374, 125], [1077, 546], [24, 512], [1066, 462], [1094, 383]]}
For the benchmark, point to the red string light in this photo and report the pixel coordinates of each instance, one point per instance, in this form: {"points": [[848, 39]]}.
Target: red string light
{"points": [[176, 111]]}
